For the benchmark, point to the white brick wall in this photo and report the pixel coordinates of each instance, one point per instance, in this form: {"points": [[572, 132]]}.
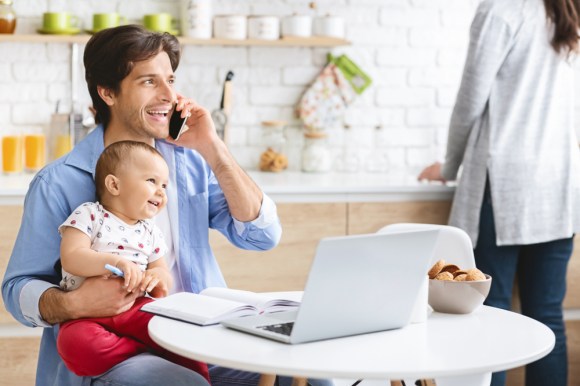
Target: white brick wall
{"points": [[413, 50]]}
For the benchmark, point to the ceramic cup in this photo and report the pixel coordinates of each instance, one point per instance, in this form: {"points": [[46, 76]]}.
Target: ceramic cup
{"points": [[329, 26], [59, 21], [264, 27], [103, 21], [158, 22], [297, 25], [230, 27]]}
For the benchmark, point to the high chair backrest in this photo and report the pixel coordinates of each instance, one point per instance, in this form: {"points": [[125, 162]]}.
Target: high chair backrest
{"points": [[453, 244]]}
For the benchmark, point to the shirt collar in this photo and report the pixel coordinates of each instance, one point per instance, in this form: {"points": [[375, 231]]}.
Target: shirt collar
{"points": [[86, 153]]}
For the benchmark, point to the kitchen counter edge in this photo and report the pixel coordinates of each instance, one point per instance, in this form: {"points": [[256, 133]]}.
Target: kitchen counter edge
{"points": [[289, 186]]}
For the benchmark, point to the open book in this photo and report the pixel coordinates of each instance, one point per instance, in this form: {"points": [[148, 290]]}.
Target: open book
{"points": [[215, 304]]}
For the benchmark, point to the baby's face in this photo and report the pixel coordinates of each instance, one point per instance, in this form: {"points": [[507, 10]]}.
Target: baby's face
{"points": [[142, 184]]}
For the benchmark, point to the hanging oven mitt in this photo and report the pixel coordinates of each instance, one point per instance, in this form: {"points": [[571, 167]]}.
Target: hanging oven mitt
{"points": [[356, 77], [323, 105]]}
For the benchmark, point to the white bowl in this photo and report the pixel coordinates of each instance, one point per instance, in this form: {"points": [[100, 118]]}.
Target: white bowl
{"points": [[458, 297]]}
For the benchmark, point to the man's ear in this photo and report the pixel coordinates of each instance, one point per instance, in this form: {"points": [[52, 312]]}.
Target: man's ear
{"points": [[112, 185], [106, 95]]}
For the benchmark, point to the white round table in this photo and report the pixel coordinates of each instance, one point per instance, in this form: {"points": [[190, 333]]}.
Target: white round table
{"points": [[446, 345]]}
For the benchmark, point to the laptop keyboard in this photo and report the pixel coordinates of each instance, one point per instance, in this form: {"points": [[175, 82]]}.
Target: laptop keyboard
{"points": [[281, 328]]}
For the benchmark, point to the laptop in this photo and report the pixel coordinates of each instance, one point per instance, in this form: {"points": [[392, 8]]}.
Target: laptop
{"points": [[356, 285]]}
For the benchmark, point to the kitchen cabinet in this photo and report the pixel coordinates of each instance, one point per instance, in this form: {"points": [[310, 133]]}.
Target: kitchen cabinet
{"points": [[285, 267], [10, 215], [18, 360], [368, 217]]}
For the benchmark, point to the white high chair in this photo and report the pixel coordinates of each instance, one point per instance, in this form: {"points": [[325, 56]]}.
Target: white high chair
{"points": [[455, 247]]}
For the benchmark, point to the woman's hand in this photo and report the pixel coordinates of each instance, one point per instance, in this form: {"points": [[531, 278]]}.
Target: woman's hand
{"points": [[432, 173]]}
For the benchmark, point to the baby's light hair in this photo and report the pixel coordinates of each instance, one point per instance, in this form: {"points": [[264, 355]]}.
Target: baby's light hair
{"points": [[113, 158]]}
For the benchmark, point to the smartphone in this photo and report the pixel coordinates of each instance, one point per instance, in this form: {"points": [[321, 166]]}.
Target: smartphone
{"points": [[176, 124]]}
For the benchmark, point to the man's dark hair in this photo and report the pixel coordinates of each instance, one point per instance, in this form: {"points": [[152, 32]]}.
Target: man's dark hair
{"points": [[111, 54]]}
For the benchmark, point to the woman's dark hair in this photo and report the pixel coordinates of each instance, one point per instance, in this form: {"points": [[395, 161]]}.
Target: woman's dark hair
{"points": [[111, 54], [564, 14]]}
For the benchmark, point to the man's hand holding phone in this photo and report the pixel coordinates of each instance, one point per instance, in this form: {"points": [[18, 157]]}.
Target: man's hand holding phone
{"points": [[177, 123], [198, 132]]}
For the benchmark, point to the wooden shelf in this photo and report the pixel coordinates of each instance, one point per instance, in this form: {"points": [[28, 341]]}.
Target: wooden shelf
{"points": [[284, 42]]}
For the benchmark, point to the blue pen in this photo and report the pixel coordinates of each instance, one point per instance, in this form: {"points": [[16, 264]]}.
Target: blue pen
{"points": [[115, 270]]}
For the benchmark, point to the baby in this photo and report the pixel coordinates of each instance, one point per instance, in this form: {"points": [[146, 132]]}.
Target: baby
{"points": [[130, 179]]}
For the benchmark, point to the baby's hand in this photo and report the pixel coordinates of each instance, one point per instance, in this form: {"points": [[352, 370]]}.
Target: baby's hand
{"points": [[132, 274], [155, 282]]}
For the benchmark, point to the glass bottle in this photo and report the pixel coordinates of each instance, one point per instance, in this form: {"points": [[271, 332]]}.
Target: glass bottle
{"points": [[350, 156], [377, 162], [7, 17], [274, 158], [315, 153], [60, 139]]}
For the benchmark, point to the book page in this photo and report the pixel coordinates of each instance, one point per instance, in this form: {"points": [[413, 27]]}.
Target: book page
{"points": [[264, 302], [198, 309]]}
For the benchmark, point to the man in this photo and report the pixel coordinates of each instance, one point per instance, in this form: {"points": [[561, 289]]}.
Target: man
{"points": [[130, 75]]}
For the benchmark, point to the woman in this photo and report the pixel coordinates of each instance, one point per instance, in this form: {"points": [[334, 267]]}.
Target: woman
{"points": [[512, 132]]}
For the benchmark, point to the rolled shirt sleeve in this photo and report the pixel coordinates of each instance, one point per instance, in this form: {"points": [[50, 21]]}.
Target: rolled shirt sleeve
{"points": [[29, 296], [265, 231], [266, 218]]}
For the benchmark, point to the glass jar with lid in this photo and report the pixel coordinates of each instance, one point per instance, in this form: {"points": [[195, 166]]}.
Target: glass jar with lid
{"points": [[315, 153], [377, 161], [349, 161], [7, 17], [273, 158]]}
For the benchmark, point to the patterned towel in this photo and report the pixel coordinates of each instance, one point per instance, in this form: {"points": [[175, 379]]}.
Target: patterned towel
{"points": [[323, 105]]}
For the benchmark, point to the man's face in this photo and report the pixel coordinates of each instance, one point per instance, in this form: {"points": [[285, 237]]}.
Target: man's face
{"points": [[142, 106]]}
